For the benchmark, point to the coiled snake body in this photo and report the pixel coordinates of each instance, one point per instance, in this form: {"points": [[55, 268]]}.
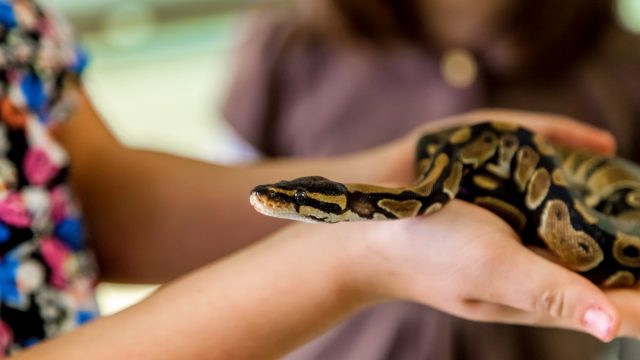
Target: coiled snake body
{"points": [[585, 208]]}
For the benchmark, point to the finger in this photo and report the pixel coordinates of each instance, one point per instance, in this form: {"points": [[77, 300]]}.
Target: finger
{"points": [[549, 292], [627, 301], [587, 137], [557, 128], [498, 313], [491, 312], [485, 311]]}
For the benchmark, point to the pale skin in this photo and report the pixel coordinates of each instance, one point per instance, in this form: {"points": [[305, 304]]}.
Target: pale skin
{"points": [[129, 195], [265, 300]]}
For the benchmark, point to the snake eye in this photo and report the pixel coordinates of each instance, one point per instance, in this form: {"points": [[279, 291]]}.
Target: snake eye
{"points": [[300, 196]]}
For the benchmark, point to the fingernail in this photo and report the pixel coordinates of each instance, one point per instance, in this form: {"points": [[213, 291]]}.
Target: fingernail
{"points": [[599, 322]]}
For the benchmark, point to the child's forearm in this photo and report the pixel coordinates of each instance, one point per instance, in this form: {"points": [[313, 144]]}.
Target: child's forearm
{"points": [[258, 304]]}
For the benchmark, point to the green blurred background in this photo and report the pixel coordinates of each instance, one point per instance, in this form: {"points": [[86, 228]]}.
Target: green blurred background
{"points": [[159, 72], [159, 68]]}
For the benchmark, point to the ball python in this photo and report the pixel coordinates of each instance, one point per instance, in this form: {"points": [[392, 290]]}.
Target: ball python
{"points": [[583, 207]]}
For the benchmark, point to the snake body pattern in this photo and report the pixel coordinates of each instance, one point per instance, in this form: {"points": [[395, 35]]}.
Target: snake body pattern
{"points": [[583, 207]]}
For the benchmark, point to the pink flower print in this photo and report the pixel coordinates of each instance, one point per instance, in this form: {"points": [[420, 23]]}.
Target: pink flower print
{"points": [[38, 167], [58, 205], [46, 27], [6, 338], [55, 254], [13, 211], [60, 202]]}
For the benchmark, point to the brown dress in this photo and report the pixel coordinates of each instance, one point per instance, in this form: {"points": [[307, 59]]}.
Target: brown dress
{"points": [[315, 98]]}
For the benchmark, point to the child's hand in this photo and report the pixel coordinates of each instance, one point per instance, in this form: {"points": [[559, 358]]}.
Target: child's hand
{"points": [[557, 128], [398, 157], [468, 262]]}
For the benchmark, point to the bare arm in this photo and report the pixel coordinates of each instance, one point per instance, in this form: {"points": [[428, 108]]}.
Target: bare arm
{"points": [[256, 305], [155, 216], [265, 300]]}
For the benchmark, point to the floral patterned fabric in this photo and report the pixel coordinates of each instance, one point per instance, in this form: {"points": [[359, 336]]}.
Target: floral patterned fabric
{"points": [[47, 275]]}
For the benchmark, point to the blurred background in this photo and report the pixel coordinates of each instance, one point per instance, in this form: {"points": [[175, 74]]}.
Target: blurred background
{"points": [[159, 71]]}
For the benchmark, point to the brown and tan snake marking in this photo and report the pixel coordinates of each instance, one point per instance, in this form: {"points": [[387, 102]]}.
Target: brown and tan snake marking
{"points": [[584, 208]]}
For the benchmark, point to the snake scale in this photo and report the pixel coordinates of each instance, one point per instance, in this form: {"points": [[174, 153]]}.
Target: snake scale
{"points": [[583, 207]]}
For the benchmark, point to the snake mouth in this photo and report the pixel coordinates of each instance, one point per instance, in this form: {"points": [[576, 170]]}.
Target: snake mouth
{"points": [[276, 204], [267, 202]]}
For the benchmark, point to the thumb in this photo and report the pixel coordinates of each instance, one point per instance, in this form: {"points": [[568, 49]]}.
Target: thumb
{"points": [[578, 304], [551, 295]]}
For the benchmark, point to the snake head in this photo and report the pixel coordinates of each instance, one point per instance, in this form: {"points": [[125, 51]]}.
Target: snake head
{"points": [[309, 199]]}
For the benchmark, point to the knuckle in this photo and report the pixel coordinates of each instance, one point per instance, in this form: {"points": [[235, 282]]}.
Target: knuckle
{"points": [[552, 302]]}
